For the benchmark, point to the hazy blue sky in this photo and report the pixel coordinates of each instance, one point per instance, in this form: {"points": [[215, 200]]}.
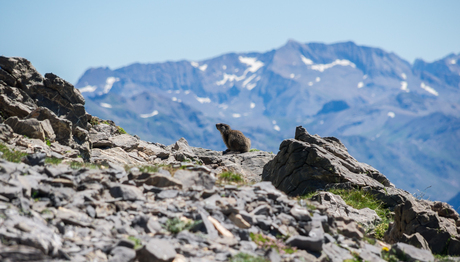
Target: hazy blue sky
{"points": [[68, 37]]}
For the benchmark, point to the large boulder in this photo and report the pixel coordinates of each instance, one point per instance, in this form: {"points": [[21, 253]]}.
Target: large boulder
{"points": [[422, 217], [42, 107], [309, 162]]}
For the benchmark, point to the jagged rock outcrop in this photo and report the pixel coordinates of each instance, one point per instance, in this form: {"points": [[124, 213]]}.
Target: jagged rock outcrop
{"points": [[309, 162], [436, 222], [31, 104]]}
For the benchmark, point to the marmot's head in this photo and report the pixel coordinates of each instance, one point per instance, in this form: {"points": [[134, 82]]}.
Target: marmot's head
{"points": [[223, 127]]}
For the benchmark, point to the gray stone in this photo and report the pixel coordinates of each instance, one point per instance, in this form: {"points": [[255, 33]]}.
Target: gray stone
{"points": [[62, 128], [415, 240], [64, 88], [300, 213], [416, 216], [306, 243], [122, 254], [336, 253], [156, 250], [336, 207], [10, 192], [21, 253], [167, 194], [126, 192], [125, 141], [194, 179], [161, 180], [309, 162], [29, 127], [36, 159], [411, 253]]}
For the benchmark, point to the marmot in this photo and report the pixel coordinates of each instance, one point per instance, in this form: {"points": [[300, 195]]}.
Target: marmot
{"points": [[233, 139]]}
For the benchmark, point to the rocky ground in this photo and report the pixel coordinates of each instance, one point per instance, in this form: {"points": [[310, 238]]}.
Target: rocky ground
{"points": [[75, 187]]}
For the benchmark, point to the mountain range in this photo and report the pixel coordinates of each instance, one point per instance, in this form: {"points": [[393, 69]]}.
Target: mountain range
{"points": [[401, 118]]}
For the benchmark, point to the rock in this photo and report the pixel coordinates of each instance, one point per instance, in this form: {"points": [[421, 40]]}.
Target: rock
{"points": [[194, 179], [349, 227], [454, 247], [5, 132], [28, 127], [64, 88], [300, 214], [126, 192], [36, 159], [239, 221], [416, 240], [125, 141], [122, 254], [306, 243], [156, 250], [336, 253], [411, 253], [336, 207], [167, 194], [62, 128], [161, 180], [416, 216], [21, 253], [308, 162]]}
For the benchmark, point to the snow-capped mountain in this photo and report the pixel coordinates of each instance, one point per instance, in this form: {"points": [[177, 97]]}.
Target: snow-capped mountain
{"points": [[402, 119]]}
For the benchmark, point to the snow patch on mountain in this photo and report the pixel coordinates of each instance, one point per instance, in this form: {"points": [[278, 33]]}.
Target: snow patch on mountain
{"points": [[306, 60], [453, 61], [391, 114], [404, 86], [252, 62], [252, 105], [109, 84], [230, 78], [236, 115], [404, 76], [429, 89], [203, 67], [203, 100], [154, 113], [249, 79], [322, 67]]}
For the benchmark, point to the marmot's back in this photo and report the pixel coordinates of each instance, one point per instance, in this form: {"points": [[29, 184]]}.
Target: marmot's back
{"points": [[234, 139]]}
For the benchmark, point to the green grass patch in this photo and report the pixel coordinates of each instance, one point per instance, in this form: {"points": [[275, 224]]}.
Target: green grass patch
{"points": [[266, 242], [243, 257], [175, 225], [137, 242], [121, 130], [148, 169], [231, 177], [53, 160], [254, 150], [358, 198], [11, 155]]}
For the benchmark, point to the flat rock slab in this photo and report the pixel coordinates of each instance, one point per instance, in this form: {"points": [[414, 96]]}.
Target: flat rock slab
{"points": [[157, 250]]}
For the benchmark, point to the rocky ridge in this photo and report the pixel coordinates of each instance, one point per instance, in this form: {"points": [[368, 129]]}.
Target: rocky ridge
{"points": [[114, 197]]}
